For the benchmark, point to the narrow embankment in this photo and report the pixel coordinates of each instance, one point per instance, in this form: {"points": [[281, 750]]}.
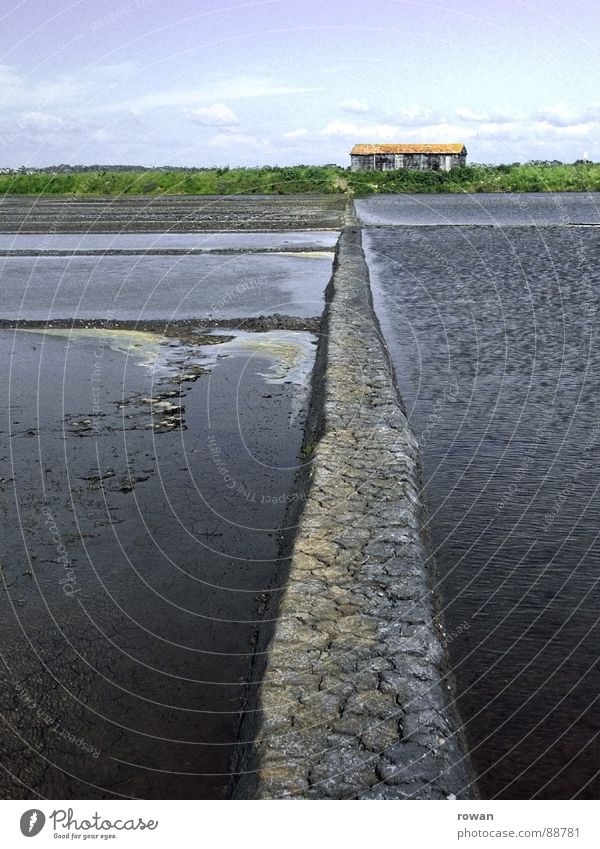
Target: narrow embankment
{"points": [[354, 699]]}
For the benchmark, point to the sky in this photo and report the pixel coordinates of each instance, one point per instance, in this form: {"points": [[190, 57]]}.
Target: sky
{"points": [[282, 82]]}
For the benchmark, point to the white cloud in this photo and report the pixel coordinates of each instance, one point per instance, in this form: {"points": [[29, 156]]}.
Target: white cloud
{"points": [[348, 130], [73, 117], [560, 121], [234, 89], [572, 131], [217, 115], [39, 121], [477, 116], [101, 135], [397, 132], [355, 106], [8, 76], [501, 131], [592, 113], [559, 115], [116, 70], [230, 141], [466, 114], [535, 132], [296, 134], [20, 91], [516, 131], [61, 91], [414, 116]]}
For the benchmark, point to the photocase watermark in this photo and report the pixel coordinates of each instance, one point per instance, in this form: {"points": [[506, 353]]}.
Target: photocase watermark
{"points": [[54, 725], [449, 396], [118, 14], [240, 488], [525, 464], [449, 636], [85, 828], [32, 822], [576, 472], [233, 295], [579, 258], [69, 580], [426, 247], [96, 375]]}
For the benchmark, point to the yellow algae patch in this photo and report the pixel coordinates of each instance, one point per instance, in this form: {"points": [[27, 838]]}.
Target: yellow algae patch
{"points": [[306, 254], [141, 344], [290, 353]]}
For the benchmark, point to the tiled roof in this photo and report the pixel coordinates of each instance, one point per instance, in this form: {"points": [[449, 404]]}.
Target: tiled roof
{"points": [[370, 149]]}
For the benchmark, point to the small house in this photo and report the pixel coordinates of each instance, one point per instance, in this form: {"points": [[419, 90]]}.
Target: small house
{"points": [[417, 157]]}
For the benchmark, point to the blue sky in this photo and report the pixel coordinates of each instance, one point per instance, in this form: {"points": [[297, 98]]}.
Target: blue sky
{"points": [[288, 81]]}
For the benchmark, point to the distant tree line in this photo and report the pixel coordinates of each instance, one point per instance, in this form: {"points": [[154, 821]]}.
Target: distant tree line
{"points": [[535, 176]]}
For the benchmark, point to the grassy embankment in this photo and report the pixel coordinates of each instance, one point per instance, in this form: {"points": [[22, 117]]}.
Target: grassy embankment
{"points": [[302, 178]]}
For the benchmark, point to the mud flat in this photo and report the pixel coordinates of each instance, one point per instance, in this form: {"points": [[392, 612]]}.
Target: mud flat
{"points": [[147, 479], [355, 700], [143, 497], [169, 214]]}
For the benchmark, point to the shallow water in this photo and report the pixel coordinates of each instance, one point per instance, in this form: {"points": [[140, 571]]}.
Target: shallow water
{"points": [[145, 487], [166, 241], [493, 334], [143, 491], [145, 288]]}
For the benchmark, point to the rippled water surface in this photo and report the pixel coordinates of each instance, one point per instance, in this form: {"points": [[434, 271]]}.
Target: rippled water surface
{"points": [[541, 209], [493, 333]]}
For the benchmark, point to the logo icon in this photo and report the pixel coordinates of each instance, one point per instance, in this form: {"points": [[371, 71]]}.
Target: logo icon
{"points": [[32, 822]]}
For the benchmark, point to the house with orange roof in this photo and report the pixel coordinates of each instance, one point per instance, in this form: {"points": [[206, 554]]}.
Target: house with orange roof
{"points": [[417, 157]]}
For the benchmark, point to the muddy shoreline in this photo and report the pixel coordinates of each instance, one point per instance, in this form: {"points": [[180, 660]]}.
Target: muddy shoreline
{"points": [[181, 328]]}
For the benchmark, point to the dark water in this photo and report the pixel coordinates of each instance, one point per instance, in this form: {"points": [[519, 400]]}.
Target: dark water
{"points": [[541, 209], [493, 333], [143, 490]]}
